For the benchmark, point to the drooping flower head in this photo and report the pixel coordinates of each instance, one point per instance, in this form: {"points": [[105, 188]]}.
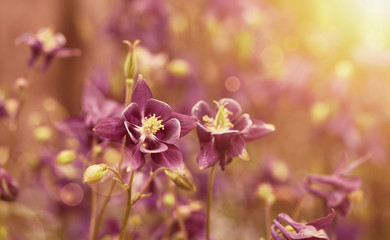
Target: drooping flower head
{"points": [[151, 128], [310, 231], [223, 132], [337, 190], [9, 188], [48, 44]]}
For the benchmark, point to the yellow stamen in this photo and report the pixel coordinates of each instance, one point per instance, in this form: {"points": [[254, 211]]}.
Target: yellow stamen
{"points": [[221, 122], [48, 38], [151, 124]]}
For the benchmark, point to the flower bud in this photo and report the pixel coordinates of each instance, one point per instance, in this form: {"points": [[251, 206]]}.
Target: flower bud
{"points": [[42, 133], [9, 188], [66, 156], [95, 173], [169, 199], [130, 66], [265, 191], [21, 84], [183, 181], [178, 68]]}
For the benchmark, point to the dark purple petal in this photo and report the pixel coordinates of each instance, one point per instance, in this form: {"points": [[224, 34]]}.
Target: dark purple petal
{"points": [[159, 108], [171, 158], [47, 61], [243, 123], [204, 134], [187, 123], [132, 114], [133, 157], [9, 187], [171, 132], [257, 130], [133, 132], [324, 222], [111, 128], [142, 93], [150, 145], [201, 109], [236, 146], [222, 140], [208, 155], [73, 126], [233, 106]]}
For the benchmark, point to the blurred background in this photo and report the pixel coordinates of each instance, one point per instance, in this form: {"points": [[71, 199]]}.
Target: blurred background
{"points": [[317, 70]]}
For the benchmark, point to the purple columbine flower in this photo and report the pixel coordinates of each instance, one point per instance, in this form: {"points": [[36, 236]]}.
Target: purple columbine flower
{"points": [[9, 188], [337, 189], [223, 133], [151, 127], [310, 231], [48, 44]]}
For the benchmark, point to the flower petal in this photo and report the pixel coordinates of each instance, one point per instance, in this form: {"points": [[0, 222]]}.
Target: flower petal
{"points": [[112, 128], [134, 158], [257, 130], [142, 93], [187, 123], [324, 222], [133, 132], [160, 108], [208, 155], [171, 132], [204, 134], [201, 109], [132, 114], [243, 123], [152, 146], [236, 147], [233, 106], [171, 158]]}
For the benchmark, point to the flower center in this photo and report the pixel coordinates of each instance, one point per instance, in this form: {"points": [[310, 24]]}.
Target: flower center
{"points": [[48, 39], [221, 122], [151, 124]]}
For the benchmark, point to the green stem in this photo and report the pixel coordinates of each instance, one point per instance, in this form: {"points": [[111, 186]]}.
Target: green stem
{"points": [[108, 197], [148, 183], [129, 87], [128, 207], [268, 219], [209, 195], [179, 216], [92, 224]]}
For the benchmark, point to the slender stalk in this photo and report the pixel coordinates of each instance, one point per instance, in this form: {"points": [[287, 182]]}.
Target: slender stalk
{"points": [[148, 183], [14, 125], [268, 219], [298, 208], [129, 87], [209, 195], [108, 197], [179, 216], [92, 224], [128, 207]]}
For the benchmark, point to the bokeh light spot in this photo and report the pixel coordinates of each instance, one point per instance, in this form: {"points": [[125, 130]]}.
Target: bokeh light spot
{"points": [[232, 84], [72, 194]]}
